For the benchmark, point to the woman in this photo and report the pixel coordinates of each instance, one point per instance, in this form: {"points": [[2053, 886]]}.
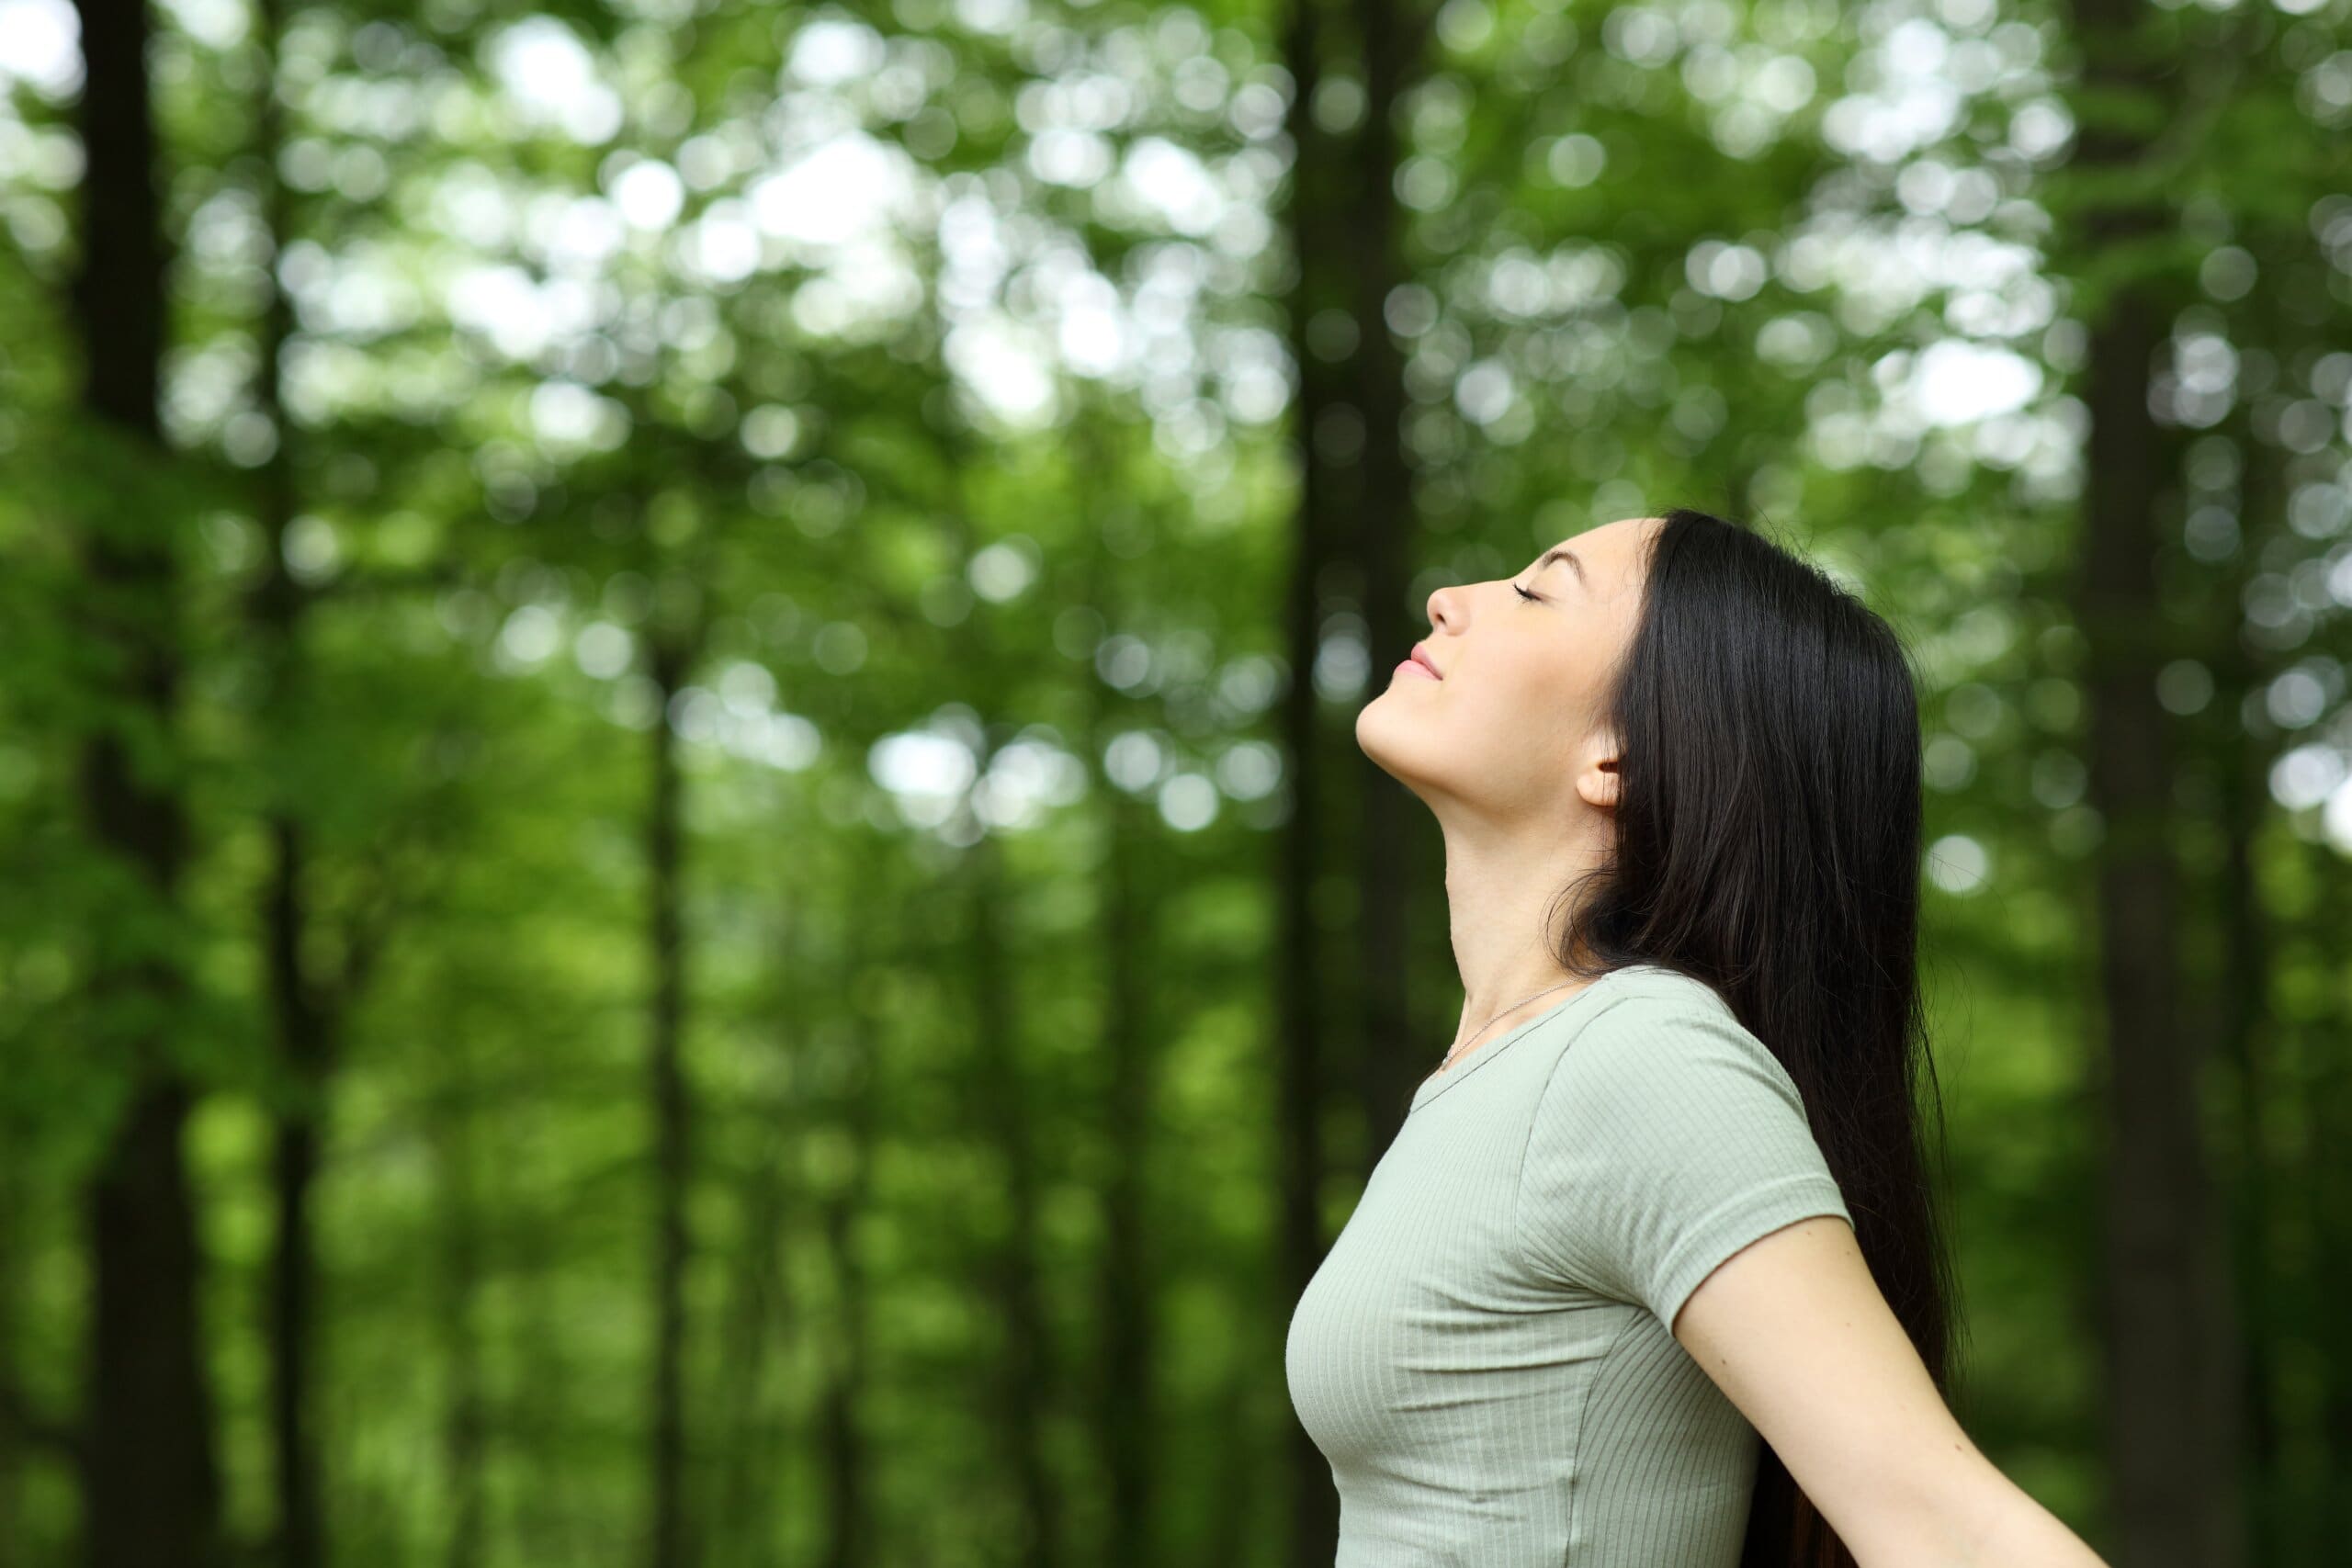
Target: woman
{"points": [[1663, 1202]]}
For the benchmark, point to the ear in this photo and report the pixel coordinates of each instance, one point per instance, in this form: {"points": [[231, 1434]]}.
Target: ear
{"points": [[1598, 779]]}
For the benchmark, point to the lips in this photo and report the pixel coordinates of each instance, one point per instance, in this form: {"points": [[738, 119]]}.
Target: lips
{"points": [[1421, 656]]}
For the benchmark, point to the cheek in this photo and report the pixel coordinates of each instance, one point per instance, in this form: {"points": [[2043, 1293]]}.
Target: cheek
{"points": [[1525, 691], [1506, 714], [1531, 710]]}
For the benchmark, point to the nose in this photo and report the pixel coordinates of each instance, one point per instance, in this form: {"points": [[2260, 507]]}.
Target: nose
{"points": [[1440, 608]]}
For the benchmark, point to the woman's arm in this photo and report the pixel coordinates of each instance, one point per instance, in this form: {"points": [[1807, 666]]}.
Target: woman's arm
{"points": [[1794, 1331]]}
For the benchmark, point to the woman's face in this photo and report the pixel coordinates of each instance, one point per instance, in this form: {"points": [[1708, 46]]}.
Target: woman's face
{"points": [[1511, 725]]}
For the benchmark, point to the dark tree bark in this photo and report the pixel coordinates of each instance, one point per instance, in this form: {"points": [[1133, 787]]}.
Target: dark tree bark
{"points": [[2243, 1039], [1312, 1508], [2241, 1028], [150, 1480], [303, 1026], [12, 1444], [1347, 248], [303, 1042], [1380, 508], [464, 1422], [2171, 1433], [668, 1544], [2326, 1178]]}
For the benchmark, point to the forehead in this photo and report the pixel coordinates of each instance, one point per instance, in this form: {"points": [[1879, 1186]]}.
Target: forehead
{"points": [[1610, 550]]}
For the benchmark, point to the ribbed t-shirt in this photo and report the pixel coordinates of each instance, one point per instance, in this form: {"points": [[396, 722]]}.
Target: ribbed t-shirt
{"points": [[1485, 1355]]}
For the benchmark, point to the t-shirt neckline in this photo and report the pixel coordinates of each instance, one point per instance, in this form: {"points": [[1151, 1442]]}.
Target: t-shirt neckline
{"points": [[1438, 1083]]}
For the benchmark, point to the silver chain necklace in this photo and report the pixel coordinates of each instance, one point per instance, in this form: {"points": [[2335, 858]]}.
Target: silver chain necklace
{"points": [[1482, 1029]]}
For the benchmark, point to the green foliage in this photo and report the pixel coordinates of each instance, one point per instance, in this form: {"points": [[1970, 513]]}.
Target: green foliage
{"points": [[922, 378]]}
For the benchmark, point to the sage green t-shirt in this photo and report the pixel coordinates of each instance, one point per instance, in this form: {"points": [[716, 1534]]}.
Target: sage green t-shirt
{"points": [[1485, 1355]]}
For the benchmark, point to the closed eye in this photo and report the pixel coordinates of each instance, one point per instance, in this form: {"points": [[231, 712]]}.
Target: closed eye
{"points": [[1524, 593]]}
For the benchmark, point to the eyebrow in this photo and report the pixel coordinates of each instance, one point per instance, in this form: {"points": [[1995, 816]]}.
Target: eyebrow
{"points": [[1561, 552]]}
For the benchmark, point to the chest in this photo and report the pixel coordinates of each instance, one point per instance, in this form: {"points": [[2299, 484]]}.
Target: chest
{"points": [[1423, 1326]]}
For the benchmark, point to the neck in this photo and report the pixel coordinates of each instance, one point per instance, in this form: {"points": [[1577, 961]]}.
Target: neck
{"points": [[1499, 885]]}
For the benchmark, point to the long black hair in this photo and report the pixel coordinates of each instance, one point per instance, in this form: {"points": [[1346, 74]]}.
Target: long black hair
{"points": [[1768, 843]]}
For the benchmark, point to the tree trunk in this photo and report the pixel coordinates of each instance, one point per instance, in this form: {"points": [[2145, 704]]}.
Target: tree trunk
{"points": [[847, 1459], [1313, 1505], [1380, 506], [667, 1543], [464, 1445], [150, 1481], [13, 1448], [293, 1293], [2171, 1444], [2243, 1032], [152, 1486], [304, 1033]]}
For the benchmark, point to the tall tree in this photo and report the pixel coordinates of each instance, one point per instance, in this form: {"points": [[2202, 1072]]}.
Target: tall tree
{"points": [[457, 1272], [12, 1445], [1306, 212], [1376, 481], [669, 650], [2238, 1023], [299, 1021], [150, 1481], [1125, 1415], [2172, 1432]]}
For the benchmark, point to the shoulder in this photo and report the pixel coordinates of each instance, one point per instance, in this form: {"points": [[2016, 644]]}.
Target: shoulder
{"points": [[1663, 1031], [1666, 989]]}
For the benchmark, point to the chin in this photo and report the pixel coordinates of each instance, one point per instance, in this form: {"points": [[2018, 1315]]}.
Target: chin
{"points": [[1394, 742]]}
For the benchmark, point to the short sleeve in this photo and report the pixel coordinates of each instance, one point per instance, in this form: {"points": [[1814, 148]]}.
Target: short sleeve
{"points": [[1666, 1139]]}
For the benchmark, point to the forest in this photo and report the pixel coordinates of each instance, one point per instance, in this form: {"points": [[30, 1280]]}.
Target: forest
{"points": [[684, 878]]}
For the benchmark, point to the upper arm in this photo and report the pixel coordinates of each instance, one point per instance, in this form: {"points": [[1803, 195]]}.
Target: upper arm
{"points": [[1670, 1163], [1667, 1138], [1795, 1332]]}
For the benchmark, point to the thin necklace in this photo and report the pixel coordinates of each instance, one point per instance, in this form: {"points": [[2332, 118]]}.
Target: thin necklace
{"points": [[1482, 1029]]}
